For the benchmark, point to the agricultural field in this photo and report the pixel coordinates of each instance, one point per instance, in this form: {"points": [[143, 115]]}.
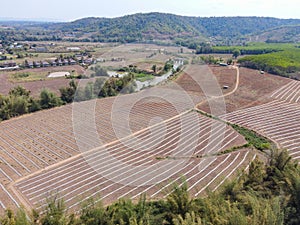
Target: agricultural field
{"points": [[268, 105], [254, 48], [30, 75], [147, 141], [254, 89], [277, 58], [125, 168], [36, 79], [142, 56], [283, 63], [276, 119], [109, 56], [114, 147]]}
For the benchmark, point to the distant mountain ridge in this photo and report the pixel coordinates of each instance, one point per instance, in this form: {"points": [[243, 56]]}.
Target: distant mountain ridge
{"points": [[162, 26]]}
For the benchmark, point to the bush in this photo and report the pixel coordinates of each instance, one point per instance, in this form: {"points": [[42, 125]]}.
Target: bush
{"points": [[49, 100]]}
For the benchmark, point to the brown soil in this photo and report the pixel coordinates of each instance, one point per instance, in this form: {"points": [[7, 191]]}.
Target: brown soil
{"points": [[254, 89], [48, 133], [225, 76]]}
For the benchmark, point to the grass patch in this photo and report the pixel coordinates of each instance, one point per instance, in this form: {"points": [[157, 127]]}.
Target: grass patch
{"points": [[143, 77], [253, 138], [256, 140], [26, 76], [21, 75], [233, 149]]}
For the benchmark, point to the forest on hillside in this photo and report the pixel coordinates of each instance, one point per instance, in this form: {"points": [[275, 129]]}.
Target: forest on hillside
{"points": [[144, 28]]}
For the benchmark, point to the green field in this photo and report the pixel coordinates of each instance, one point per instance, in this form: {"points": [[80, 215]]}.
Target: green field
{"points": [[27, 76], [277, 58], [143, 76], [284, 63]]}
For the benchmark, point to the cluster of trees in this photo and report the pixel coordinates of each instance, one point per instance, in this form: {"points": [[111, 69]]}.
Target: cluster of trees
{"points": [[19, 102], [267, 194], [210, 59], [156, 70], [102, 88], [99, 71], [168, 66], [21, 34], [135, 70]]}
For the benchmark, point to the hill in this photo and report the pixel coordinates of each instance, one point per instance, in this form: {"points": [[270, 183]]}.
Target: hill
{"points": [[129, 28], [155, 26], [168, 26], [278, 34]]}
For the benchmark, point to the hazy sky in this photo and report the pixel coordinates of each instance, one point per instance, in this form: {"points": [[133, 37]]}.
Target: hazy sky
{"points": [[67, 10]]}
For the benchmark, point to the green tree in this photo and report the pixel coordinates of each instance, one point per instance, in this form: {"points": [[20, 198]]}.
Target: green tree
{"points": [[67, 94], [236, 53], [229, 61], [21, 218], [49, 100], [178, 202], [154, 68], [55, 212], [190, 219], [93, 213], [9, 218], [18, 105], [19, 91]]}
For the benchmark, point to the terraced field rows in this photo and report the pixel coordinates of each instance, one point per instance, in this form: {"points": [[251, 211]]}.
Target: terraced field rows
{"points": [[48, 137], [142, 163], [116, 147], [278, 120], [7, 200], [289, 92]]}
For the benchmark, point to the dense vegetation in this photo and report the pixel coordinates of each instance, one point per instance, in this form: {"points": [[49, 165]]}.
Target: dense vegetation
{"points": [[103, 87], [147, 27], [284, 63], [257, 141], [98, 71], [277, 58], [19, 102], [150, 26], [268, 194]]}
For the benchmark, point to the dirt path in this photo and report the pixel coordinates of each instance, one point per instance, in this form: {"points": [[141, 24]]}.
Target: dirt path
{"points": [[237, 81], [225, 95]]}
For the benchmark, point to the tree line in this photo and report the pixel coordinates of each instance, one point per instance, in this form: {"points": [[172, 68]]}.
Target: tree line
{"points": [[268, 194], [19, 100]]}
